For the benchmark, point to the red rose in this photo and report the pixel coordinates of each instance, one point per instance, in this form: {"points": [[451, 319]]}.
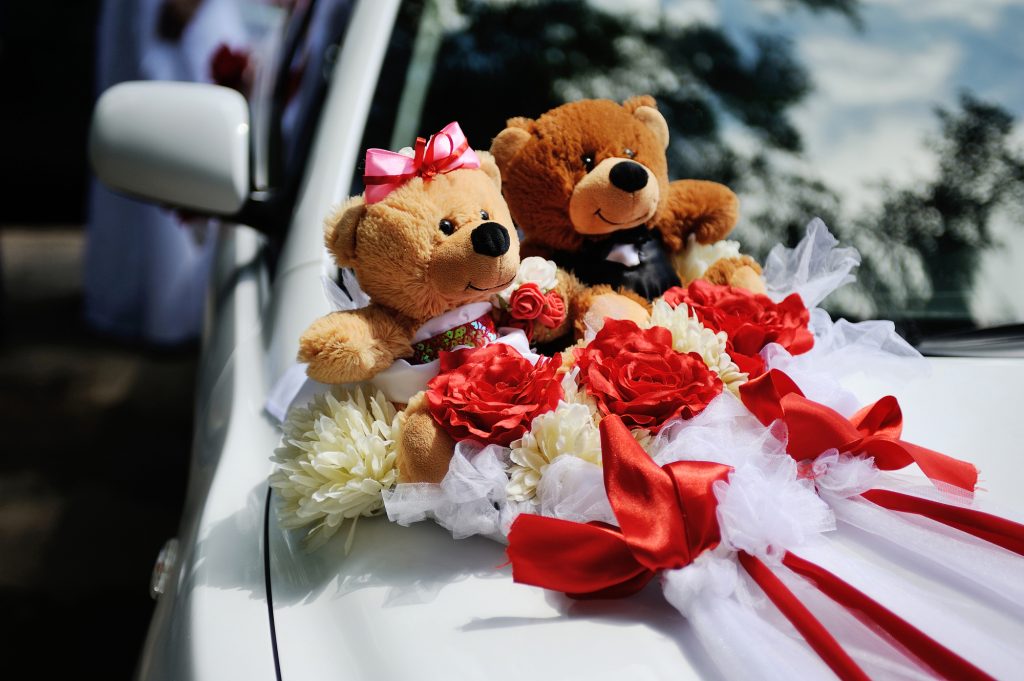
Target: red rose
{"points": [[750, 320], [491, 393], [527, 302], [637, 375], [554, 310]]}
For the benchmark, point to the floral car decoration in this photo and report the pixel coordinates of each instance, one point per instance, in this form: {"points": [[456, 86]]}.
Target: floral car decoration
{"points": [[713, 447]]}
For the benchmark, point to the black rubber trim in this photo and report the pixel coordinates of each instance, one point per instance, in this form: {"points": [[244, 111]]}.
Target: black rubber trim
{"points": [[270, 592]]}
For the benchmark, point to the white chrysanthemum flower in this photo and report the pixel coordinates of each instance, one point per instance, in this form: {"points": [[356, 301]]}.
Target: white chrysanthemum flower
{"points": [[336, 458], [535, 270], [693, 261], [573, 394], [689, 335], [569, 430]]}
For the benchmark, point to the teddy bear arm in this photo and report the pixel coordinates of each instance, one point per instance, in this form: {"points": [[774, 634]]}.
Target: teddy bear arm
{"points": [[595, 304], [345, 347], [708, 210], [741, 272]]}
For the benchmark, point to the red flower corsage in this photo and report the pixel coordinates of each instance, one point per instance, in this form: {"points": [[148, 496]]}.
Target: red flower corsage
{"points": [[491, 393], [750, 320], [635, 374]]}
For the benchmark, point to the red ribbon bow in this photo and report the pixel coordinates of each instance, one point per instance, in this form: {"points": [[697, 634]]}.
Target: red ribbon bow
{"points": [[873, 431], [666, 519]]}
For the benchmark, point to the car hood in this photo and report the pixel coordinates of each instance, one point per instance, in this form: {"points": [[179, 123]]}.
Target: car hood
{"points": [[412, 603]]}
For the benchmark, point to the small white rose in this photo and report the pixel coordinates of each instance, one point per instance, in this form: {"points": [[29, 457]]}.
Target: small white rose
{"points": [[539, 271], [534, 269]]}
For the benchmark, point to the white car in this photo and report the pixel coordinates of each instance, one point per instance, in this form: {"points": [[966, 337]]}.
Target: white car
{"points": [[238, 597]]}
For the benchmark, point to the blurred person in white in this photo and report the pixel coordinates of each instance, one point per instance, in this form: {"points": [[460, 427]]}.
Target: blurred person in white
{"points": [[145, 266]]}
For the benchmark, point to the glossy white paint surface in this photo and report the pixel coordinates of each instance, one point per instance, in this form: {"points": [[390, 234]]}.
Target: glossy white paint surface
{"points": [[213, 621], [182, 144]]}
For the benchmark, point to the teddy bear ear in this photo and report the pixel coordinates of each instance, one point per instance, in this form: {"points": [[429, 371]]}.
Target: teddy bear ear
{"points": [[488, 165], [645, 109], [340, 231], [512, 139]]}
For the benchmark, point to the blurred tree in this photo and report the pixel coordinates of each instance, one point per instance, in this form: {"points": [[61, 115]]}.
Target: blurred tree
{"points": [[924, 243], [527, 57]]}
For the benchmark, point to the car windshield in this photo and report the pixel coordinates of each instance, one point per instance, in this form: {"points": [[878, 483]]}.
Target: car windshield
{"points": [[893, 120]]}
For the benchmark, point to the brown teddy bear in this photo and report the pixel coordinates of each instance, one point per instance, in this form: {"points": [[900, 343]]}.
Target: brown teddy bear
{"points": [[430, 242], [587, 183]]}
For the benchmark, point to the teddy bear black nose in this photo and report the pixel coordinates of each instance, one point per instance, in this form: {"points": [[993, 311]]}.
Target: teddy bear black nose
{"points": [[491, 239], [628, 176]]}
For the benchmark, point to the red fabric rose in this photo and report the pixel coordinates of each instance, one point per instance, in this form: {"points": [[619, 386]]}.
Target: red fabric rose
{"points": [[553, 313], [637, 375], [491, 393], [527, 302], [750, 320]]}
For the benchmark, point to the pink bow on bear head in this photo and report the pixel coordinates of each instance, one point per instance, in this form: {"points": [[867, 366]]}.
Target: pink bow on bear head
{"points": [[444, 152]]}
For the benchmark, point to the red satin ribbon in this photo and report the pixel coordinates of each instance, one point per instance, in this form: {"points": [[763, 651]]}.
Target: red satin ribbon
{"points": [[874, 430], [666, 519], [991, 528]]}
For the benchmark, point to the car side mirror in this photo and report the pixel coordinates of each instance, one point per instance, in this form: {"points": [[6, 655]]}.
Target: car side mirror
{"points": [[181, 144]]}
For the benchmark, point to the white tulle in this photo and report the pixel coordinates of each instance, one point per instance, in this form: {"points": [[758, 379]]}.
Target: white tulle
{"points": [[764, 509], [816, 267], [469, 500], [737, 637], [573, 489]]}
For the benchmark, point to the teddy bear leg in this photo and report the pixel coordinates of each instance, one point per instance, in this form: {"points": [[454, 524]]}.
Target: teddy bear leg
{"points": [[742, 272], [596, 304], [424, 449]]}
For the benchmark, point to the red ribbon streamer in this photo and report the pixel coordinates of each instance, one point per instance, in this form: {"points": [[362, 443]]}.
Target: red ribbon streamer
{"points": [[666, 519], [813, 631], [874, 430], [939, 658], [991, 528]]}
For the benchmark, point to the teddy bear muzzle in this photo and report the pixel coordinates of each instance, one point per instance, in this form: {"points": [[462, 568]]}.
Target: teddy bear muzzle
{"points": [[617, 194], [477, 259]]}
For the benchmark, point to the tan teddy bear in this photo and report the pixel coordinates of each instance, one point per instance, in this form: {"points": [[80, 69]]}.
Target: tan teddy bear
{"points": [[587, 183], [430, 254]]}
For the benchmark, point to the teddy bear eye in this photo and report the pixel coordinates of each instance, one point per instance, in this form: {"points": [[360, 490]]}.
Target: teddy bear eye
{"points": [[588, 161], [446, 226], [629, 153], [484, 215]]}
